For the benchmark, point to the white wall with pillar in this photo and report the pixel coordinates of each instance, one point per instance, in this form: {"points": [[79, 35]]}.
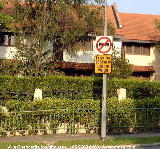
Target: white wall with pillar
{"points": [[84, 56]]}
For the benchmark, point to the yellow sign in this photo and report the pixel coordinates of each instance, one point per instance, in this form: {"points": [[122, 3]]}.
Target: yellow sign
{"points": [[103, 64]]}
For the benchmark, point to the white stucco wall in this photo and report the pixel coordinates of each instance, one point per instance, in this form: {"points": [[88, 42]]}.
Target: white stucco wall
{"points": [[152, 60], [79, 57], [87, 56], [142, 60], [7, 52]]}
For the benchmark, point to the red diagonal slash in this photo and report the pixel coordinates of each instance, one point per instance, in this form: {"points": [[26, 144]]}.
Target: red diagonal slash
{"points": [[104, 44]]}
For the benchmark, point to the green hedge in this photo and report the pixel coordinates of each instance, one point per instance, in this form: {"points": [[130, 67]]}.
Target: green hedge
{"points": [[64, 103], [137, 89], [125, 116], [55, 86], [78, 88]]}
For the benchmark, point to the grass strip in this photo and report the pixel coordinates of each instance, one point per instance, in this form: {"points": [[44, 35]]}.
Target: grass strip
{"points": [[111, 141]]}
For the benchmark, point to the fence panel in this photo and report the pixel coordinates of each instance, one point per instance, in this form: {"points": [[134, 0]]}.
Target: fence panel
{"points": [[127, 120], [153, 119], [73, 121]]}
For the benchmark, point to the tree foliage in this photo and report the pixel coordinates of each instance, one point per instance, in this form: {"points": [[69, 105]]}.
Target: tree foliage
{"points": [[121, 68], [5, 22], [35, 23], [5, 19], [45, 28]]}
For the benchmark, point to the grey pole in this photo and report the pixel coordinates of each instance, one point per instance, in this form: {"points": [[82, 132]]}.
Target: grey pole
{"points": [[105, 19], [104, 90]]}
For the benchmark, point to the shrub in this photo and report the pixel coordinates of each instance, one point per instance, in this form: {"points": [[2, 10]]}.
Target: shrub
{"points": [[57, 111], [125, 116], [53, 86], [79, 88], [120, 114], [136, 89]]}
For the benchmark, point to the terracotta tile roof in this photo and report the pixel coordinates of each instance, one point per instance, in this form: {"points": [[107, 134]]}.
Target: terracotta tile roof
{"points": [[138, 26], [143, 68], [8, 8], [135, 26]]}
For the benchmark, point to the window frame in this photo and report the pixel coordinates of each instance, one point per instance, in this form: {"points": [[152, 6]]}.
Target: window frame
{"points": [[141, 46], [9, 39]]}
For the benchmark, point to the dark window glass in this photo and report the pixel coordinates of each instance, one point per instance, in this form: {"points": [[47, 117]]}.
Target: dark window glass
{"points": [[7, 40], [2, 40], [128, 49], [146, 51], [137, 50]]}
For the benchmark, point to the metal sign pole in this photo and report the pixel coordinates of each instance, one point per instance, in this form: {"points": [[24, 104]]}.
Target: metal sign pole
{"points": [[104, 90]]}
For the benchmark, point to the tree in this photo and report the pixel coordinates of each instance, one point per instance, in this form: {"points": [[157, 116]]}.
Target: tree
{"points": [[5, 19], [121, 68], [63, 24]]}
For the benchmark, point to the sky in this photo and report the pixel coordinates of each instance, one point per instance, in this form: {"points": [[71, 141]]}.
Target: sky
{"points": [[137, 6]]}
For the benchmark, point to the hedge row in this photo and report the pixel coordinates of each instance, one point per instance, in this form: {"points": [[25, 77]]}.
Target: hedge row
{"points": [[49, 114], [65, 103], [55, 86], [75, 87], [137, 89]]}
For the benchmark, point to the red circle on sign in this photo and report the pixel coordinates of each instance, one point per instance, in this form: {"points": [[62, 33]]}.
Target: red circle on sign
{"points": [[104, 44]]}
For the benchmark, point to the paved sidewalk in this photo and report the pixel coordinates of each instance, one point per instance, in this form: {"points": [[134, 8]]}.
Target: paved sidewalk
{"points": [[60, 137]]}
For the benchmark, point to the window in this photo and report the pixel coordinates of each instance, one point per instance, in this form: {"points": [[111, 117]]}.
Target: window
{"points": [[129, 49], [137, 49], [6, 40], [146, 50], [2, 40]]}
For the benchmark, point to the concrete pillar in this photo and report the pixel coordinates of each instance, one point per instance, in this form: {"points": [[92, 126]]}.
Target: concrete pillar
{"points": [[38, 94], [121, 93]]}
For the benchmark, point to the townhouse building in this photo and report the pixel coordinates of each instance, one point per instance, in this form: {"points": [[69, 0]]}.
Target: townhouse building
{"points": [[135, 39]]}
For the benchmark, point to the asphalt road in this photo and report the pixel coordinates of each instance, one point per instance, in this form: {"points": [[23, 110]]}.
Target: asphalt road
{"points": [[149, 147]]}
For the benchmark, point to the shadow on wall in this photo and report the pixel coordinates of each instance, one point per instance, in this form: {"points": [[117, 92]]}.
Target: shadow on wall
{"points": [[156, 63], [3, 52]]}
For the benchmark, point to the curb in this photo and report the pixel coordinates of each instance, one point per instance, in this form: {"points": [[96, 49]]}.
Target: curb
{"points": [[147, 145], [134, 146]]}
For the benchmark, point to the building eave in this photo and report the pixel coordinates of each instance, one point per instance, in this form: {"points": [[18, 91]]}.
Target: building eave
{"points": [[139, 41], [143, 68]]}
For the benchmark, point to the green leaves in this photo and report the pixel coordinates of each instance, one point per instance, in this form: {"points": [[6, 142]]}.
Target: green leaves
{"points": [[64, 24], [80, 88], [128, 115], [37, 25], [5, 22]]}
